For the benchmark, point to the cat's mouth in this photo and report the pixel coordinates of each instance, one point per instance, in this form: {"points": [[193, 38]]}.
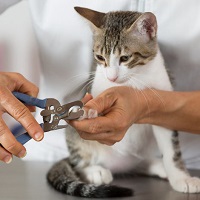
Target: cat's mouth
{"points": [[117, 80], [113, 79]]}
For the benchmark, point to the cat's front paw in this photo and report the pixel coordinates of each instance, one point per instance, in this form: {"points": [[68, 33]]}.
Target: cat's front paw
{"points": [[97, 175], [91, 113], [187, 185]]}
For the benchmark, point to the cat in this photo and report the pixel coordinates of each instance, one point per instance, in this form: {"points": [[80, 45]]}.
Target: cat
{"points": [[126, 50]]}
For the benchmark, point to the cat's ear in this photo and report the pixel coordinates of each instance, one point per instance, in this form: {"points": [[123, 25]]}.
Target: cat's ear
{"points": [[94, 17], [145, 27]]}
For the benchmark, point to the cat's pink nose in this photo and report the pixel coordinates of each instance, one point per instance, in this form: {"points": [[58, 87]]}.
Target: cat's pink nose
{"points": [[113, 79]]}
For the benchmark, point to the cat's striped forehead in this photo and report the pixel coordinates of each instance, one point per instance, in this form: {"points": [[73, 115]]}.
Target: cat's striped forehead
{"points": [[112, 29]]}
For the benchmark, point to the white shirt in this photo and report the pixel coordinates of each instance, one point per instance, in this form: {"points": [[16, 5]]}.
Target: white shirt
{"points": [[65, 48]]}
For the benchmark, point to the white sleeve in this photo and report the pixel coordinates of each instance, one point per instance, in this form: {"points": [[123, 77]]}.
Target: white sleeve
{"points": [[4, 4]]}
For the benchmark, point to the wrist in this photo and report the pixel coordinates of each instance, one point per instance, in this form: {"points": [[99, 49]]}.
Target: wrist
{"points": [[160, 105], [151, 103]]}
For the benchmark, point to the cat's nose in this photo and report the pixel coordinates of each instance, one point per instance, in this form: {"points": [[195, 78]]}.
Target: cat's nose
{"points": [[112, 73], [113, 79]]}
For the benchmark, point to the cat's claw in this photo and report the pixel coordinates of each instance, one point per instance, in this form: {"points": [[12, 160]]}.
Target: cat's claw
{"points": [[92, 113], [187, 185], [97, 175]]}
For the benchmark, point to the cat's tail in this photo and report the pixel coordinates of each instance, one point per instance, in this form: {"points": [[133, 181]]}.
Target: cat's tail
{"points": [[64, 179]]}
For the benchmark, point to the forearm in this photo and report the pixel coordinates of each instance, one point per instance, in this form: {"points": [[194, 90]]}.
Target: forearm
{"points": [[174, 110]]}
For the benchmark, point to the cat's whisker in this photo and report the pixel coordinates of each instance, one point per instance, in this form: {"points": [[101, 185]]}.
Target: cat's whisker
{"points": [[75, 80], [137, 92], [137, 74], [82, 75], [151, 89], [78, 84], [146, 85], [146, 99], [133, 74], [84, 83], [141, 75], [144, 94], [89, 83]]}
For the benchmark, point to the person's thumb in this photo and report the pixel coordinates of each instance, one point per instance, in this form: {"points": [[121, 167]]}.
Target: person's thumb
{"points": [[103, 102]]}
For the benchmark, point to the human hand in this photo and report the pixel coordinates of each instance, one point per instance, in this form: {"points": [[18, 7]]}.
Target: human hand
{"points": [[119, 107], [9, 104]]}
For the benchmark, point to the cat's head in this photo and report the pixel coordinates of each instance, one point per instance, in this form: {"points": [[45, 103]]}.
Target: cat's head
{"points": [[122, 40]]}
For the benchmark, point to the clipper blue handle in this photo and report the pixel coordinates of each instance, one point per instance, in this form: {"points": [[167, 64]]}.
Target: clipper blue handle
{"points": [[25, 137], [29, 100]]}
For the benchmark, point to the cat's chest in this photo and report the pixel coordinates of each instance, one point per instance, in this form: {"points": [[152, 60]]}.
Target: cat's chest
{"points": [[100, 84]]}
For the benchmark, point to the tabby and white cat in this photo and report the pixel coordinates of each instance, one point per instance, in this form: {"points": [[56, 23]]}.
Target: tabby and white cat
{"points": [[127, 54]]}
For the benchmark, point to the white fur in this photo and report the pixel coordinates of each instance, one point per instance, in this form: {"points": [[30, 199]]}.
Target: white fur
{"points": [[97, 175], [138, 148], [112, 72]]}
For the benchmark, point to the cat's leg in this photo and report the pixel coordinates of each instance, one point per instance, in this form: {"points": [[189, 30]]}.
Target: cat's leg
{"points": [[178, 175], [84, 159], [88, 169], [152, 167]]}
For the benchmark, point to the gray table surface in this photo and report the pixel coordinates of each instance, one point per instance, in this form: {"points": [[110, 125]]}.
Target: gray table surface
{"points": [[27, 181]]}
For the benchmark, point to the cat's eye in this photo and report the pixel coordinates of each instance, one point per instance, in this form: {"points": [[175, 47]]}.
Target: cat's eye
{"points": [[100, 58], [124, 58]]}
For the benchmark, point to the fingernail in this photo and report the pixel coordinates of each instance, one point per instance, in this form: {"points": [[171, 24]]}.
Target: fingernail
{"points": [[22, 154], [38, 136], [7, 159]]}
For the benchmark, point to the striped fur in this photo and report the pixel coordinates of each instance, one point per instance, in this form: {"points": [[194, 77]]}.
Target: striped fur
{"points": [[177, 152], [64, 179]]}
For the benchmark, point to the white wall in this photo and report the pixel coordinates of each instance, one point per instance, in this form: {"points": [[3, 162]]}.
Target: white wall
{"points": [[18, 48], [17, 43]]}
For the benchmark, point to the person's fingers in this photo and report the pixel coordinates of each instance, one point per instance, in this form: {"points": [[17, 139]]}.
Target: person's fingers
{"points": [[21, 113], [31, 108], [8, 141], [102, 102], [102, 138], [93, 126], [17, 82], [8, 103], [111, 122], [5, 156], [108, 138], [23, 85], [86, 98], [108, 143], [89, 136]]}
